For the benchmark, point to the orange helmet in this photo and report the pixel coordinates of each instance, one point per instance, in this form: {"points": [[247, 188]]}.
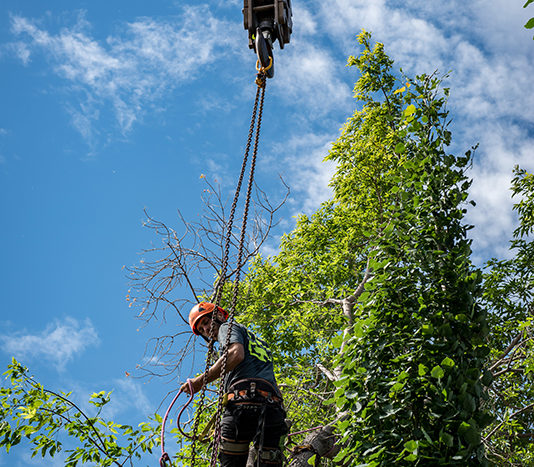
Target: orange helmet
{"points": [[203, 309]]}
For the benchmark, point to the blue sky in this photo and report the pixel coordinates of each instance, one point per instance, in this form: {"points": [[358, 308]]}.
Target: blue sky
{"points": [[110, 109]]}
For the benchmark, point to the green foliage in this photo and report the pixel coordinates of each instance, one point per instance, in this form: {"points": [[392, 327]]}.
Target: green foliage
{"points": [[509, 286], [30, 411], [411, 380], [409, 373]]}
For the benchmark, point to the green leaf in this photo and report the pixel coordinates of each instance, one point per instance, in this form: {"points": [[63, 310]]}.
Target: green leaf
{"points": [[411, 445], [470, 433], [410, 110], [311, 460], [464, 427], [446, 439], [428, 329], [487, 377], [447, 363], [528, 3], [437, 372], [400, 148], [530, 23], [337, 340], [358, 329], [422, 369]]}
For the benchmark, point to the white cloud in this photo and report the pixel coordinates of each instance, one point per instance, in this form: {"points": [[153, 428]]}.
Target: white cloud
{"points": [[59, 459], [126, 394], [59, 343], [303, 21], [229, 3], [310, 77], [18, 49], [492, 62], [132, 70], [301, 160], [504, 145], [129, 393]]}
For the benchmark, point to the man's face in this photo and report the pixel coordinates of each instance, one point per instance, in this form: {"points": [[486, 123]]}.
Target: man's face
{"points": [[204, 324]]}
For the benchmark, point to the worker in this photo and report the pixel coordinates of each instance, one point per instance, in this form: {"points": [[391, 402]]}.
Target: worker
{"points": [[254, 412]]}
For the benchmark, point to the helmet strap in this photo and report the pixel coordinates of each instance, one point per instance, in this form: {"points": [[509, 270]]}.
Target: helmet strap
{"points": [[204, 337], [218, 321]]}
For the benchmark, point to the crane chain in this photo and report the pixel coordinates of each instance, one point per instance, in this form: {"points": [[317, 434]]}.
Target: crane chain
{"points": [[220, 407], [260, 95]]}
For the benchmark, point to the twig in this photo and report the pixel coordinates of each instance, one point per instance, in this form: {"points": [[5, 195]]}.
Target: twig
{"points": [[518, 412]]}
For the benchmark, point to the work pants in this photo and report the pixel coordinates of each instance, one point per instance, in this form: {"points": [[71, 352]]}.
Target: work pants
{"points": [[241, 425]]}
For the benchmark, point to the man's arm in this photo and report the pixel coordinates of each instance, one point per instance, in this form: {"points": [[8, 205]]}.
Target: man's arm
{"points": [[236, 354]]}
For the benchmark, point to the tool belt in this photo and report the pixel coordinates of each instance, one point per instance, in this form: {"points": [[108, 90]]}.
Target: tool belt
{"points": [[254, 390]]}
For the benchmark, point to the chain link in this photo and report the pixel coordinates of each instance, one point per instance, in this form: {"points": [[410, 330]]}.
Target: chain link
{"points": [[260, 94], [217, 438]]}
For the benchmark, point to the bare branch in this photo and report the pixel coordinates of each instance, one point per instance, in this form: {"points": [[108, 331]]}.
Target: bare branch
{"points": [[506, 351], [185, 268]]}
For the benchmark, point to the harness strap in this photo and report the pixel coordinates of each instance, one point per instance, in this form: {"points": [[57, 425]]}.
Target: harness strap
{"points": [[261, 433], [242, 394], [271, 456], [234, 447], [255, 385]]}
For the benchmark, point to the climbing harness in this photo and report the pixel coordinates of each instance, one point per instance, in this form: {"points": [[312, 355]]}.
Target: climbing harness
{"points": [[254, 394]]}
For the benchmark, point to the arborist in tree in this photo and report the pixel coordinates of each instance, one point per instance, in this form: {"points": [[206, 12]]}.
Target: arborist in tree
{"points": [[254, 412]]}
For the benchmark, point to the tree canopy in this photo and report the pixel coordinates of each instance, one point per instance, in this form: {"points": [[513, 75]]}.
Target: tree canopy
{"points": [[390, 345]]}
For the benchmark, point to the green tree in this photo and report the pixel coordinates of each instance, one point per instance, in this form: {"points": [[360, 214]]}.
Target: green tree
{"points": [[508, 291], [390, 346], [406, 357], [45, 418]]}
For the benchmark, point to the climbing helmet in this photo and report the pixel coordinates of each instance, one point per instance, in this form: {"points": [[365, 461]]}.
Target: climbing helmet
{"points": [[203, 309]]}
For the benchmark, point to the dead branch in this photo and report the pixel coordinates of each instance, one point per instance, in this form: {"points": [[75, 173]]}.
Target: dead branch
{"points": [[184, 268]]}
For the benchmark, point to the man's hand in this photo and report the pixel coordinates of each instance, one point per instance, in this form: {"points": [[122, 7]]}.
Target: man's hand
{"points": [[196, 385], [236, 354]]}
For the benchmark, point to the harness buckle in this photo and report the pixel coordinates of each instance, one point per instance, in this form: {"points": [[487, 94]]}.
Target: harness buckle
{"points": [[252, 389]]}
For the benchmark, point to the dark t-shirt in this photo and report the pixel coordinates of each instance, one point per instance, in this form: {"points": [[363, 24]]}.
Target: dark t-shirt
{"points": [[258, 360]]}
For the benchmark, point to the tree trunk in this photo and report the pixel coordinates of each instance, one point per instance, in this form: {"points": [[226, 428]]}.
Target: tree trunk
{"points": [[322, 443]]}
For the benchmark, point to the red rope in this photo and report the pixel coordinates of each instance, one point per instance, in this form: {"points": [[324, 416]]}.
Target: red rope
{"points": [[305, 431], [164, 456]]}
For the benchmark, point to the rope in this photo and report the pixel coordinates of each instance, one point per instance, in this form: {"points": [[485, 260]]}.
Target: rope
{"points": [[305, 431], [164, 456]]}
